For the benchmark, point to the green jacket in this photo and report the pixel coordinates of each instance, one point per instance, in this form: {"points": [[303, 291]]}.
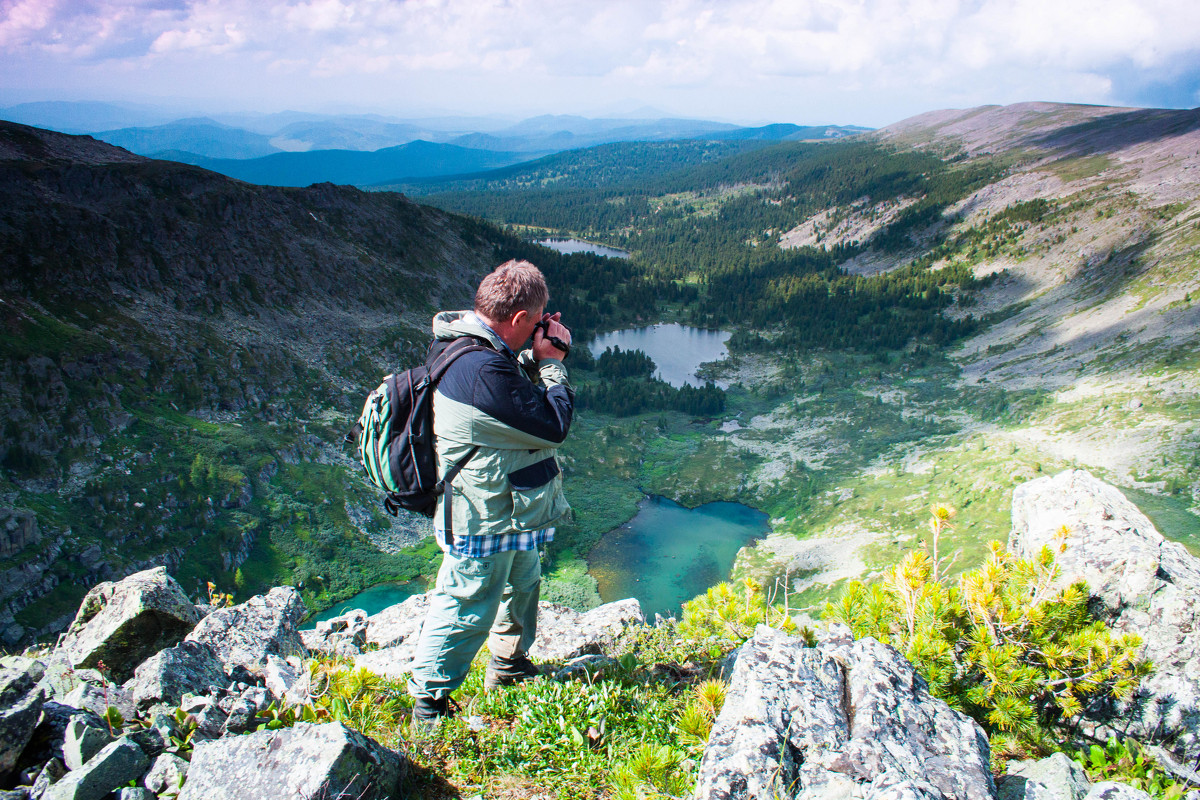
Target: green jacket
{"points": [[518, 412]]}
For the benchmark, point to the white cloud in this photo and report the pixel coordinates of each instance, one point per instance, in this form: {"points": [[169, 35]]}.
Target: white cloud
{"points": [[976, 50]]}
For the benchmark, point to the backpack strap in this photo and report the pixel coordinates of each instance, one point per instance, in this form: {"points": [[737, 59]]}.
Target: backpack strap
{"points": [[438, 362]]}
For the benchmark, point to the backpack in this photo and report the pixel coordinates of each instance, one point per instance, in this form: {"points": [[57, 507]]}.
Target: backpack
{"points": [[394, 433]]}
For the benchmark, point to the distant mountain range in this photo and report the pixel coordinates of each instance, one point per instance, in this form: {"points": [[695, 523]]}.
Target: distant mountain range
{"points": [[419, 159]]}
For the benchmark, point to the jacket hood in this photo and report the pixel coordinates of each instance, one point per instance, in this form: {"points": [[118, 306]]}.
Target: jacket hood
{"points": [[453, 324]]}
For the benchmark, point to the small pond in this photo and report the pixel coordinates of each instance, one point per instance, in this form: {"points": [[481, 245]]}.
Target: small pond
{"points": [[1170, 516], [580, 246], [678, 350], [372, 601], [668, 554]]}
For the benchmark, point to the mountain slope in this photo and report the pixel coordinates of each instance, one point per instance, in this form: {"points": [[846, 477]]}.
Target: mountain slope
{"points": [[417, 159], [200, 136], [179, 350]]}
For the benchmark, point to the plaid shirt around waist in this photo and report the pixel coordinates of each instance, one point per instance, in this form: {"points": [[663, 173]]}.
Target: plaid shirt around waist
{"points": [[488, 544]]}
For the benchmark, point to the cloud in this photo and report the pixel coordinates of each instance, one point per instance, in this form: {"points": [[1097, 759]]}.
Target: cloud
{"points": [[977, 50]]}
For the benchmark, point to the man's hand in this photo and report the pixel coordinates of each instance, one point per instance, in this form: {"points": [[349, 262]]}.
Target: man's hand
{"points": [[542, 346]]}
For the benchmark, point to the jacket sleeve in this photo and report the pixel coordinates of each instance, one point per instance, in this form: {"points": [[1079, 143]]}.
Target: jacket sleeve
{"points": [[501, 408]]}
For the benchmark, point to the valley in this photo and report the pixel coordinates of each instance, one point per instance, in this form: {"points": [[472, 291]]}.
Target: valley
{"points": [[932, 313]]}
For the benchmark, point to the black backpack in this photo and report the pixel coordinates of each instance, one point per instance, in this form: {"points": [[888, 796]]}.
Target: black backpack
{"points": [[394, 433]]}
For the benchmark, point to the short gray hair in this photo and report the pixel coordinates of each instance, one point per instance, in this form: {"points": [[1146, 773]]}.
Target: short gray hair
{"points": [[511, 287]]}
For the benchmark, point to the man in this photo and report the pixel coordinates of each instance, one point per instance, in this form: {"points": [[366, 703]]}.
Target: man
{"points": [[508, 413]]}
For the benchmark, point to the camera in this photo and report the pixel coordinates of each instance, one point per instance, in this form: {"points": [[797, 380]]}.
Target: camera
{"points": [[554, 340]]}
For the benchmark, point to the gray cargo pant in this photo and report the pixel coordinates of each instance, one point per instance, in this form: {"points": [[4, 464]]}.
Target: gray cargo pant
{"points": [[494, 598]]}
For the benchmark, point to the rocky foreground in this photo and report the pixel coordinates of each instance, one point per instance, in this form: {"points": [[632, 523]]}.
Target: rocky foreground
{"points": [[838, 719]]}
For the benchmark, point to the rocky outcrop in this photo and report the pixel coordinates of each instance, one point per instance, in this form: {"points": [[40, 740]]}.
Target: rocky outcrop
{"points": [[124, 622], [845, 719], [1053, 778], [18, 530], [344, 635], [114, 766], [563, 634], [21, 701], [306, 762], [188, 668], [246, 634], [1141, 583]]}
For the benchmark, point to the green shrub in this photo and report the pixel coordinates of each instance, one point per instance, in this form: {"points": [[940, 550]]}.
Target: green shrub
{"points": [[1001, 644]]}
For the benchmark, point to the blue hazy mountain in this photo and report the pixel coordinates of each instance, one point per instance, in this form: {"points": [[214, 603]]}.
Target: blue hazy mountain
{"points": [[84, 117], [201, 136], [787, 132], [419, 159]]}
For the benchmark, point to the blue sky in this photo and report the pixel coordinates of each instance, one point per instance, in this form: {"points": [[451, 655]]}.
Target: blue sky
{"points": [[866, 62]]}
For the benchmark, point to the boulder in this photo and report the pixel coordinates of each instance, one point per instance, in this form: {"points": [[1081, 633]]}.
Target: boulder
{"points": [[166, 773], [82, 741], [187, 668], [398, 624], [263, 625], [564, 634], [1141, 583], [98, 697], [21, 700], [50, 774], [1111, 790], [280, 675], [110, 769], [1053, 778], [343, 635], [843, 721], [47, 741], [124, 622], [304, 762]]}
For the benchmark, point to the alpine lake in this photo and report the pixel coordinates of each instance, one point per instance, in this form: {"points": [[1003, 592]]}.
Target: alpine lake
{"points": [[667, 554]]}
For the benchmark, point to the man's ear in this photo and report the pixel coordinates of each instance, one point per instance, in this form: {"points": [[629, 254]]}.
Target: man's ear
{"points": [[519, 317]]}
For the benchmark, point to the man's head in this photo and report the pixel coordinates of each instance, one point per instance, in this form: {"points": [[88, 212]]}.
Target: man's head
{"points": [[511, 287], [511, 300]]}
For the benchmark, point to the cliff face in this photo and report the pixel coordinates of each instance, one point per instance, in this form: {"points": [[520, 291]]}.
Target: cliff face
{"points": [[169, 335]]}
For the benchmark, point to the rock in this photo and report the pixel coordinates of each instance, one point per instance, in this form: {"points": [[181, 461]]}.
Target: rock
{"points": [[18, 530], [20, 793], [48, 736], [398, 624], [166, 773], [1111, 790], [1053, 778], [584, 666], [82, 741], [390, 662], [343, 635], [246, 634], [21, 700], [111, 768], [1142, 584], [60, 678], [848, 722], [153, 740], [136, 793], [50, 774], [564, 633], [188, 668], [210, 721], [243, 713], [302, 762], [97, 698], [125, 622], [280, 675]]}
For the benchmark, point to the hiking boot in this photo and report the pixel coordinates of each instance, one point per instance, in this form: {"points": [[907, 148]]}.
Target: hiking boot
{"points": [[428, 712], [509, 671]]}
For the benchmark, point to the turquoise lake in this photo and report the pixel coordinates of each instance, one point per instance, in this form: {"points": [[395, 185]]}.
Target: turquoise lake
{"points": [[677, 350], [667, 554], [373, 600]]}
